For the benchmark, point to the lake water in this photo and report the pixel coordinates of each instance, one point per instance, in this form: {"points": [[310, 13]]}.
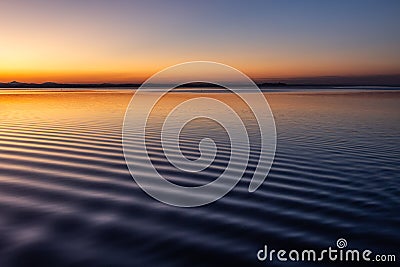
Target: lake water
{"points": [[68, 199]]}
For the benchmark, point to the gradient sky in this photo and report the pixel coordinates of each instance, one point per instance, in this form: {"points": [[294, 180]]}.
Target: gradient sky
{"points": [[127, 41]]}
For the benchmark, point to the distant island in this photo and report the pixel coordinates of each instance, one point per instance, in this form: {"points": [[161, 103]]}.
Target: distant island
{"points": [[22, 85], [16, 84]]}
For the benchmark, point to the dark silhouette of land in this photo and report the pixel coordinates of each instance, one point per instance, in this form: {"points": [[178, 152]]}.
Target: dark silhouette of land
{"points": [[18, 85], [355, 80], [310, 82], [15, 84]]}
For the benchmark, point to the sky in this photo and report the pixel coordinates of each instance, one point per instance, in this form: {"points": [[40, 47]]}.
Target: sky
{"points": [[128, 41]]}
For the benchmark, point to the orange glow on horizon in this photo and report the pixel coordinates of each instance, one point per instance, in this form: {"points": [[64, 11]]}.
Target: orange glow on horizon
{"points": [[28, 58], [71, 77], [77, 58], [135, 74]]}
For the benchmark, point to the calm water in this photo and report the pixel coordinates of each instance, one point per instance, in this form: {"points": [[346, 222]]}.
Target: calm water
{"points": [[67, 198]]}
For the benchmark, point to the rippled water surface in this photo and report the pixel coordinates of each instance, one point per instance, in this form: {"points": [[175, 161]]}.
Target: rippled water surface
{"points": [[67, 197]]}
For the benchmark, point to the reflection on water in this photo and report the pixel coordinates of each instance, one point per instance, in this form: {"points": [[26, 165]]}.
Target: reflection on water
{"points": [[67, 198]]}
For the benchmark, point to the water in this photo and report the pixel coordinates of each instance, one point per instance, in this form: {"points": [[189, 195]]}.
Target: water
{"points": [[67, 198]]}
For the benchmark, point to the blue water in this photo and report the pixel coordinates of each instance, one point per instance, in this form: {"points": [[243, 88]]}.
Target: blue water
{"points": [[67, 197]]}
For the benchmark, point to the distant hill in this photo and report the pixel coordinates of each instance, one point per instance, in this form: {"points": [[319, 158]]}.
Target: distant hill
{"points": [[199, 85], [278, 84], [354, 80], [264, 85], [15, 84]]}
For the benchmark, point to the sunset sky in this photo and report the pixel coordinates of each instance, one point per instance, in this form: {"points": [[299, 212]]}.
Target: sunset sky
{"points": [[127, 41]]}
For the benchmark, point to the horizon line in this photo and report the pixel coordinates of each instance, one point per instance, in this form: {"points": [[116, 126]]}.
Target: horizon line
{"points": [[373, 79]]}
